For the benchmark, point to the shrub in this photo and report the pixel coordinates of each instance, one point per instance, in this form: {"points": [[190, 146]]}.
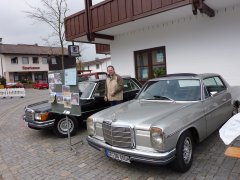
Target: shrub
{"points": [[2, 80]]}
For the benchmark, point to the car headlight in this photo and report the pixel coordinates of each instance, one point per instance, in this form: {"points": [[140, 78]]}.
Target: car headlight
{"points": [[41, 116], [157, 137], [90, 126]]}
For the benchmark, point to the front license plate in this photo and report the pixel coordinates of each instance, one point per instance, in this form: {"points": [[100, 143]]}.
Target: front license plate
{"points": [[117, 156]]}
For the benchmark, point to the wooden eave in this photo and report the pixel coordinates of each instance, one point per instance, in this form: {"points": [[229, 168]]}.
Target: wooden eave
{"points": [[110, 13]]}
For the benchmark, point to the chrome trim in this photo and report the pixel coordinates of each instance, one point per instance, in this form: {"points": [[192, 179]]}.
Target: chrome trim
{"points": [[39, 124], [134, 154], [118, 135]]}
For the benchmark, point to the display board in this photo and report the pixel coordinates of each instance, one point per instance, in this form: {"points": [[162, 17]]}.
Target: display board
{"points": [[64, 92]]}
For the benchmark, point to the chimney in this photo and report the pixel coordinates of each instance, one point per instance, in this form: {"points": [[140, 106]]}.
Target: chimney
{"points": [[0, 40]]}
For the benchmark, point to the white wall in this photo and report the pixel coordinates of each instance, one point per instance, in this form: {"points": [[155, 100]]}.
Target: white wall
{"points": [[195, 44], [19, 67]]}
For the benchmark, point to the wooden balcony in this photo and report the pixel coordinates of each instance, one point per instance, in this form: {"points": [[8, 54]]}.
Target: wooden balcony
{"points": [[110, 13]]}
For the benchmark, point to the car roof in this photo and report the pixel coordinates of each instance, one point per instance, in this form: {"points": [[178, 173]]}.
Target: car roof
{"points": [[104, 79], [185, 76]]}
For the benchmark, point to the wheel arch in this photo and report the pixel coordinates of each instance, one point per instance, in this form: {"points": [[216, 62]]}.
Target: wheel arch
{"points": [[194, 132]]}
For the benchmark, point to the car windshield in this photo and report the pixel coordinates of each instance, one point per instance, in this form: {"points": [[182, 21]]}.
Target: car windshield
{"points": [[172, 90], [86, 89]]}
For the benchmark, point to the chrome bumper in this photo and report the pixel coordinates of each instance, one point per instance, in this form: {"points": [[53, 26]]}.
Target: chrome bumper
{"points": [[39, 124], [134, 154]]}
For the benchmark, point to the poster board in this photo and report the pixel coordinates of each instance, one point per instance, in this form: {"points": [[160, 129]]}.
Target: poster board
{"points": [[64, 92]]}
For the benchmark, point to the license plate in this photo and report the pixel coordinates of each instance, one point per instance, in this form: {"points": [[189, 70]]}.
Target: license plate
{"points": [[117, 156]]}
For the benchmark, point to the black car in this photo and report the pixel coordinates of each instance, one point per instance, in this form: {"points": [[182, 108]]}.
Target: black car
{"points": [[39, 115]]}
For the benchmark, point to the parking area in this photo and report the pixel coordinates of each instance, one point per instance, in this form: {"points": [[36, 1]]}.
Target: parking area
{"points": [[31, 154]]}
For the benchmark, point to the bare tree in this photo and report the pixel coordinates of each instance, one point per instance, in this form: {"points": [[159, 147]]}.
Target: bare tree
{"points": [[52, 13]]}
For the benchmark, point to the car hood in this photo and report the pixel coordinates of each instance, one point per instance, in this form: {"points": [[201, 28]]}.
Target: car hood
{"points": [[42, 106], [45, 106], [140, 114]]}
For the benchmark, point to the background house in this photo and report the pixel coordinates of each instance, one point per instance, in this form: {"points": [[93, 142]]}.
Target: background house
{"points": [[97, 65], [150, 38], [31, 62]]}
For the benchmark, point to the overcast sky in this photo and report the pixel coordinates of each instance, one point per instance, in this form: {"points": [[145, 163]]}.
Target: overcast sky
{"points": [[16, 28]]}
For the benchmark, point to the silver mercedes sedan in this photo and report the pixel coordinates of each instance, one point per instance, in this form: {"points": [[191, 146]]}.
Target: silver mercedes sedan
{"points": [[162, 124]]}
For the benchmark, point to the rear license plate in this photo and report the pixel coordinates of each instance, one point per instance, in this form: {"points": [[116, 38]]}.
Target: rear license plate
{"points": [[117, 156]]}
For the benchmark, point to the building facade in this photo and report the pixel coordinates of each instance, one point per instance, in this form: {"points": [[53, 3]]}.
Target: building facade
{"points": [[97, 65], [150, 38], [31, 62]]}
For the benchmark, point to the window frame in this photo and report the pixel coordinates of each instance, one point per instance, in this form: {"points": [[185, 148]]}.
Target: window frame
{"points": [[43, 60], [33, 58], [14, 60], [150, 64], [25, 58], [53, 60], [217, 87]]}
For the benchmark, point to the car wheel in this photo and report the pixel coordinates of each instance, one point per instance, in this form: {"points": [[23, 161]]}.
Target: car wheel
{"points": [[61, 127], [184, 152]]}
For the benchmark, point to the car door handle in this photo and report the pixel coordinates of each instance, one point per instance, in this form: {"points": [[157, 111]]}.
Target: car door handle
{"points": [[223, 100]]}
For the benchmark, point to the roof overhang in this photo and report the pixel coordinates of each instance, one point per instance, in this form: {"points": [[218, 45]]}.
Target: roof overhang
{"points": [[160, 18]]}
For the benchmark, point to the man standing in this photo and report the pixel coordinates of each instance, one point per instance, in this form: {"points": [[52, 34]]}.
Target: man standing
{"points": [[114, 87]]}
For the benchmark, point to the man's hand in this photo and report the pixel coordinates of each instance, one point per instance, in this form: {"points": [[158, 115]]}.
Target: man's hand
{"points": [[112, 93], [105, 98]]}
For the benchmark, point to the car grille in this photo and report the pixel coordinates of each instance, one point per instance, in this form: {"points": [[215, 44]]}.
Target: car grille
{"points": [[120, 136], [29, 114]]}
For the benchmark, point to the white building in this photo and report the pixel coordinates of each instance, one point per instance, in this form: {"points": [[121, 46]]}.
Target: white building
{"points": [[97, 65], [30, 62], [150, 38]]}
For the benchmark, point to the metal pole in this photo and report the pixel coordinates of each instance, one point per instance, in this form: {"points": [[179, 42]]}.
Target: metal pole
{"points": [[2, 66], [69, 137]]}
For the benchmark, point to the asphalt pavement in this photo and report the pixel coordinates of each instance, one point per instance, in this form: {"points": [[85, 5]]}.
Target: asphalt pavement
{"points": [[31, 154]]}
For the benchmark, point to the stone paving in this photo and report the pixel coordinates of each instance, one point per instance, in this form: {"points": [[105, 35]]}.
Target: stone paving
{"points": [[30, 154]]}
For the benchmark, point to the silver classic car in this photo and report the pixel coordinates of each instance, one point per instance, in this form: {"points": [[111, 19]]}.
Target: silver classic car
{"points": [[163, 123]]}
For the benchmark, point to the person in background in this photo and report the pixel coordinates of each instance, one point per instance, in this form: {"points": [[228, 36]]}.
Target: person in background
{"points": [[114, 87]]}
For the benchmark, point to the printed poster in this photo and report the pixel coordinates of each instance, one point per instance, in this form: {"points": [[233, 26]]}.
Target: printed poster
{"points": [[70, 76]]}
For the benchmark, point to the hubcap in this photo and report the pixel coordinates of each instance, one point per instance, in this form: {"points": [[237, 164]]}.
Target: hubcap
{"points": [[187, 150], [63, 126]]}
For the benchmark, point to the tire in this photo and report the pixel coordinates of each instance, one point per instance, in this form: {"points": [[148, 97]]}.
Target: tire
{"points": [[60, 127], [184, 153]]}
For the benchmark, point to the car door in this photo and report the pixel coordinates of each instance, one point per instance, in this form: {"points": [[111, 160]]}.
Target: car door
{"points": [[130, 89], [217, 103], [96, 102]]}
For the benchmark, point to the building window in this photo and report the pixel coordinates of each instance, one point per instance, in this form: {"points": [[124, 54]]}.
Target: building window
{"points": [[35, 60], [14, 60], [150, 63], [97, 66], [53, 60], [44, 60], [25, 60]]}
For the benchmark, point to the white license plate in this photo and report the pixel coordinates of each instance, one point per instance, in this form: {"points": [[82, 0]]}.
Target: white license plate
{"points": [[117, 156]]}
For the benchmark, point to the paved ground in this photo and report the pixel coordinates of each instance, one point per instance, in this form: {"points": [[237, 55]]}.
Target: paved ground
{"points": [[30, 154]]}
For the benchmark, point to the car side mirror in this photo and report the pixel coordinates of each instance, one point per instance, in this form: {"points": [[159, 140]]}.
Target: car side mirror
{"points": [[213, 93]]}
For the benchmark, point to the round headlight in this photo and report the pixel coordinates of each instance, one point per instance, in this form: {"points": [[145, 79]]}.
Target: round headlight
{"points": [[37, 116], [157, 137], [41, 116]]}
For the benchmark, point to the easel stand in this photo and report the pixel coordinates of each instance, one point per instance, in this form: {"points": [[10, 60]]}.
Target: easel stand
{"points": [[70, 145]]}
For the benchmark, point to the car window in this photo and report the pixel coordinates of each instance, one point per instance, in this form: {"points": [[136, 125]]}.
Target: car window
{"points": [[100, 89], [214, 84], [86, 89], [129, 85]]}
